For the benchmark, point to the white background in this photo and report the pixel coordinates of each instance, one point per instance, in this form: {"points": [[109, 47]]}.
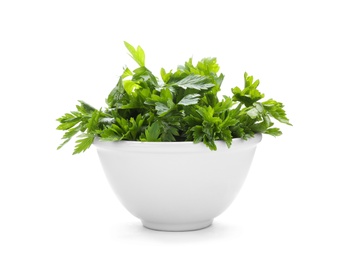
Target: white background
{"points": [[300, 198]]}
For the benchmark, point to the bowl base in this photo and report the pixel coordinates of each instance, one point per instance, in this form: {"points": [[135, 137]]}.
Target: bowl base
{"points": [[178, 226]]}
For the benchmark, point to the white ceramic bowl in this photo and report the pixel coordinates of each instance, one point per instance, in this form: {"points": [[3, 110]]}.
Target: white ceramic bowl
{"points": [[176, 186]]}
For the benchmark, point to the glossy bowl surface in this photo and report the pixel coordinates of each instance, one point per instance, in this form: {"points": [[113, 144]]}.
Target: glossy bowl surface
{"points": [[176, 186]]}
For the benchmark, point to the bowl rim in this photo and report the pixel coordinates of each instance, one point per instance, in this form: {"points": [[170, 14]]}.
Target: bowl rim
{"points": [[182, 146]]}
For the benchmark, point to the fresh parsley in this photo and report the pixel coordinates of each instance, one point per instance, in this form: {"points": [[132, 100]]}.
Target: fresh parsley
{"points": [[182, 105]]}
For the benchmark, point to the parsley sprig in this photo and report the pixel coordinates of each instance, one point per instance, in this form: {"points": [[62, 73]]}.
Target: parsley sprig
{"points": [[182, 105]]}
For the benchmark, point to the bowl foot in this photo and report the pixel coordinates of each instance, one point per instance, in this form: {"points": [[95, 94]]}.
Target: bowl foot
{"points": [[177, 226]]}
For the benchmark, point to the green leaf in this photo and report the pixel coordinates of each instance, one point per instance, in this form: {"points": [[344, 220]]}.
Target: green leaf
{"points": [[116, 95], [168, 132], [239, 96], [207, 114], [86, 108], [183, 106], [143, 76], [127, 72], [161, 108], [208, 66], [255, 111], [198, 134], [262, 126], [165, 95], [224, 105], [165, 76], [249, 95], [275, 109], [190, 99], [122, 125], [226, 135], [109, 134], [62, 144], [209, 99], [83, 144], [68, 136], [210, 143], [138, 55], [273, 132], [93, 121], [69, 123], [106, 120], [195, 82], [130, 86], [228, 122], [152, 133], [135, 127]]}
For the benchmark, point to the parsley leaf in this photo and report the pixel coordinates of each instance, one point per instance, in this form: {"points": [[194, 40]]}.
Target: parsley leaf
{"points": [[181, 105], [152, 133], [195, 82], [137, 54], [84, 143]]}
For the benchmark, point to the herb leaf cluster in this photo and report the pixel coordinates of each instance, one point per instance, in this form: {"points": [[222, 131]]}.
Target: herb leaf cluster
{"points": [[181, 105]]}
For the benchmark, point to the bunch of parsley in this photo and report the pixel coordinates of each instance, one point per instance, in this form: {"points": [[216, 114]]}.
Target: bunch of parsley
{"points": [[181, 106]]}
